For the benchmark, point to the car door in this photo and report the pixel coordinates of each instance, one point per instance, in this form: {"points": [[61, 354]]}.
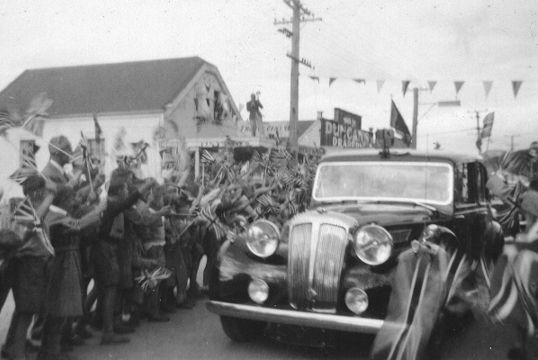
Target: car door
{"points": [[472, 216]]}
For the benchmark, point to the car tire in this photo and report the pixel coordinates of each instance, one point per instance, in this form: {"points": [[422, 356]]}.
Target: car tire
{"points": [[241, 330]]}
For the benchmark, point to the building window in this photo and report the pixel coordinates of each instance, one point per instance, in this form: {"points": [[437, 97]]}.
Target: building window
{"points": [[27, 150]]}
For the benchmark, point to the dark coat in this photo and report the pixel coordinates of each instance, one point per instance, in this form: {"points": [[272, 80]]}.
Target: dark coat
{"points": [[64, 292], [54, 174], [29, 283], [129, 248], [104, 254]]}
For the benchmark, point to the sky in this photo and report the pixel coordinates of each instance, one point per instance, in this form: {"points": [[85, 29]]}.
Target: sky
{"points": [[462, 40]]}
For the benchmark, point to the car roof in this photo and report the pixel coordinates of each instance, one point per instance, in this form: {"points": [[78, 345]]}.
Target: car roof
{"points": [[397, 155]]}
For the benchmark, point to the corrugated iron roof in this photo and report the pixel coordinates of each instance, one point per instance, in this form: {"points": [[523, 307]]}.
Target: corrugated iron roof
{"points": [[118, 87]]}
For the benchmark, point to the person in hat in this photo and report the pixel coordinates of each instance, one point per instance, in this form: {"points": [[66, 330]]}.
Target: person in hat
{"points": [[130, 257], [153, 247], [178, 237], [255, 116], [29, 267], [105, 252], [63, 296], [60, 155]]}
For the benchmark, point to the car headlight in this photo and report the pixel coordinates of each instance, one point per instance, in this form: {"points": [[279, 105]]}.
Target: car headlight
{"points": [[373, 244], [258, 291], [262, 238], [356, 300]]}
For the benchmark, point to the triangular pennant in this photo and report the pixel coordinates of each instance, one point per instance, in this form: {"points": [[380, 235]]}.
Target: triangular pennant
{"points": [[379, 84], [360, 81], [516, 84], [405, 85], [458, 85], [431, 85], [488, 84], [314, 78], [331, 80]]}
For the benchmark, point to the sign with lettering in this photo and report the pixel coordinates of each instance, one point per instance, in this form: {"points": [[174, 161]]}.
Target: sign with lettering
{"points": [[347, 118], [343, 135]]}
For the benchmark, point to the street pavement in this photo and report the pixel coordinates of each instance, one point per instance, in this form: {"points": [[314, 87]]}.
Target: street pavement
{"points": [[196, 334]]}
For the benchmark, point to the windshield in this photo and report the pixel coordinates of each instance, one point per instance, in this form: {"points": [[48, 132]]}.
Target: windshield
{"points": [[397, 181]]}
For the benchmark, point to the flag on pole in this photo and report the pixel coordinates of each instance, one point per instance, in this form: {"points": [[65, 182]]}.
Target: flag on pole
{"points": [[488, 125], [360, 81], [314, 78], [36, 113], [398, 123], [431, 85], [98, 130], [6, 122], [458, 85], [488, 84], [379, 84], [405, 85], [331, 80], [516, 85]]}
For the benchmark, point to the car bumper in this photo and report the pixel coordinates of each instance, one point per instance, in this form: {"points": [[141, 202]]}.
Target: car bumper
{"points": [[295, 317]]}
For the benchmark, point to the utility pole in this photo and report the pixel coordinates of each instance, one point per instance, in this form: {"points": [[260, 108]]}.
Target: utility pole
{"points": [[300, 14], [415, 119], [512, 140]]}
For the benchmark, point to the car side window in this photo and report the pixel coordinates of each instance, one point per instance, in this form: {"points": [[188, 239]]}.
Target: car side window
{"points": [[481, 183], [471, 183], [466, 184], [462, 192]]}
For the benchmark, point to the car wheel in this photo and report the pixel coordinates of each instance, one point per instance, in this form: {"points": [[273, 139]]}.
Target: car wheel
{"points": [[241, 330]]}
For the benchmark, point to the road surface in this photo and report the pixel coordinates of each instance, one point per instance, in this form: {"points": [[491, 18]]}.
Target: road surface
{"points": [[196, 334]]}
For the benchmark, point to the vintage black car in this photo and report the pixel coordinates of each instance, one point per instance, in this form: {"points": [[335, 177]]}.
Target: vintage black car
{"points": [[330, 267]]}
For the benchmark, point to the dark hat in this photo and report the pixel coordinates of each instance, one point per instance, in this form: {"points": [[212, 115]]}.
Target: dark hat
{"points": [[58, 144], [118, 179]]}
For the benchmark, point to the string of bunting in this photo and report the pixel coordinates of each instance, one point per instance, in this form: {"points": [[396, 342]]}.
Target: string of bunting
{"points": [[458, 84]]}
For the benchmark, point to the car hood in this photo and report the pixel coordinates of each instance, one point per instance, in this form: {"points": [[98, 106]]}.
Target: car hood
{"points": [[383, 214]]}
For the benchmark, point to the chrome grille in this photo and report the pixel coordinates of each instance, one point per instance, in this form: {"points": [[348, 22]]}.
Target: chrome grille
{"points": [[400, 236], [299, 257], [328, 266], [315, 262]]}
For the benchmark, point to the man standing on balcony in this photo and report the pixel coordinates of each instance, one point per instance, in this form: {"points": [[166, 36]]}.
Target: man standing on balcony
{"points": [[255, 116]]}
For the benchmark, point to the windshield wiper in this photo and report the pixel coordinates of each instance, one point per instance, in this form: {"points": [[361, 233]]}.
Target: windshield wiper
{"points": [[424, 206]]}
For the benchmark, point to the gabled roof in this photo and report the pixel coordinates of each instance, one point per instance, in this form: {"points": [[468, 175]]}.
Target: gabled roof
{"points": [[104, 88], [303, 125]]}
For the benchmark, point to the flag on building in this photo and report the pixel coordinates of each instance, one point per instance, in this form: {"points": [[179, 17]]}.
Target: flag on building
{"points": [[397, 122]]}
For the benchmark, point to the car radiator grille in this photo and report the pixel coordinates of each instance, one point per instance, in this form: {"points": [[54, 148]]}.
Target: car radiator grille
{"points": [[315, 262]]}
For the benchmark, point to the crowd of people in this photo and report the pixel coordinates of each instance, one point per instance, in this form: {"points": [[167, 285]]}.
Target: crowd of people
{"points": [[76, 258], [82, 250]]}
